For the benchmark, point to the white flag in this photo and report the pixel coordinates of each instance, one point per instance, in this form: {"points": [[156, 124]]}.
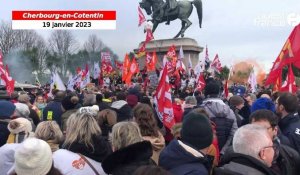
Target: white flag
{"points": [[190, 66], [85, 80], [181, 55], [252, 81], [70, 85], [96, 70], [58, 82]]}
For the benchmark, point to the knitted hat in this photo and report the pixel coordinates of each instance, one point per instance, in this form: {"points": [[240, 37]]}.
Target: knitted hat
{"points": [[33, 156], [22, 110], [236, 100], [263, 103], [19, 125], [196, 131], [132, 100], [7, 109], [89, 109], [212, 88], [69, 102]]}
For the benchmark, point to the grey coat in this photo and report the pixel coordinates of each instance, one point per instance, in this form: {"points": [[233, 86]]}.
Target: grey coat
{"points": [[239, 164]]}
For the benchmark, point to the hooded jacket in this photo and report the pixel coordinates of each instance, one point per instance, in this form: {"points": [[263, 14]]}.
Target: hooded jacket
{"points": [[158, 144], [225, 121], [178, 161], [123, 110], [126, 160]]}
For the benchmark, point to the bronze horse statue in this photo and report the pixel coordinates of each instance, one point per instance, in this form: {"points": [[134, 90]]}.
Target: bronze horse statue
{"points": [[182, 11]]}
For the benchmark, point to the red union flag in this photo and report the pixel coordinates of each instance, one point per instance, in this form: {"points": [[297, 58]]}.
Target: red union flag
{"points": [[133, 68], [216, 64], [201, 82], [141, 16], [289, 54], [149, 36], [148, 61], [10, 83], [105, 57], [151, 61], [163, 100], [119, 65], [171, 52], [168, 64], [126, 65], [289, 85]]}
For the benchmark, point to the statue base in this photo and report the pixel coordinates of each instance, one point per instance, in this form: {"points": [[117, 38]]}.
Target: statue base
{"points": [[190, 49]]}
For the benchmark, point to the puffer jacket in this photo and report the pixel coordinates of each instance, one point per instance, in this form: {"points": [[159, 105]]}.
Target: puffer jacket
{"points": [[225, 120], [179, 161]]}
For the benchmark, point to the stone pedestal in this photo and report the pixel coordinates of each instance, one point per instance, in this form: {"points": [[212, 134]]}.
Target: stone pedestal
{"points": [[190, 48]]}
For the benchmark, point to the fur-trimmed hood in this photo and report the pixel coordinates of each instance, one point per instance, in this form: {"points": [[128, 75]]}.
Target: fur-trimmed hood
{"points": [[127, 160]]}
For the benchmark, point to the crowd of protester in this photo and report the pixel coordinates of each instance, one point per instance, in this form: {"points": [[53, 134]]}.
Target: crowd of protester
{"points": [[117, 131]]}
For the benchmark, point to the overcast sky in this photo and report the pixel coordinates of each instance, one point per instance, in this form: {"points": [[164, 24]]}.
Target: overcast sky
{"points": [[231, 28]]}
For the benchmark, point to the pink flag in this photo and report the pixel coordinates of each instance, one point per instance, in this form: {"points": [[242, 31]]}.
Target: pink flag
{"points": [[1, 59], [141, 16], [216, 64]]}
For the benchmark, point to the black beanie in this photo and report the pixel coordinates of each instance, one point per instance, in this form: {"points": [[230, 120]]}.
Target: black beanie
{"points": [[212, 88], [196, 131], [69, 102]]}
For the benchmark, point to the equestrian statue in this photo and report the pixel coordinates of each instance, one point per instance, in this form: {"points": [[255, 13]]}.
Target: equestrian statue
{"points": [[171, 10]]}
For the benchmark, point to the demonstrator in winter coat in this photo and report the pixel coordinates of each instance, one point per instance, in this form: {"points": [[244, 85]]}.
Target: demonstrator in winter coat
{"points": [[253, 153], [130, 151], [188, 155]]}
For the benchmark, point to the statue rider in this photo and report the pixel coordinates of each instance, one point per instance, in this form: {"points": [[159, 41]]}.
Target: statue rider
{"points": [[171, 5]]}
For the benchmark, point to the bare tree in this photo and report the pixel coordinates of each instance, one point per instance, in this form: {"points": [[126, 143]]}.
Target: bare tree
{"points": [[93, 44], [28, 39], [8, 38], [63, 43]]}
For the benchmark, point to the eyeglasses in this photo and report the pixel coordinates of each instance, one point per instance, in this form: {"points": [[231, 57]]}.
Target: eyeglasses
{"points": [[275, 148], [271, 127]]}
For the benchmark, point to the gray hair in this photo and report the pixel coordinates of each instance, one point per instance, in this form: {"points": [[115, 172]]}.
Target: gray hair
{"points": [[89, 99], [22, 110], [191, 100], [252, 96], [250, 139], [125, 134]]}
